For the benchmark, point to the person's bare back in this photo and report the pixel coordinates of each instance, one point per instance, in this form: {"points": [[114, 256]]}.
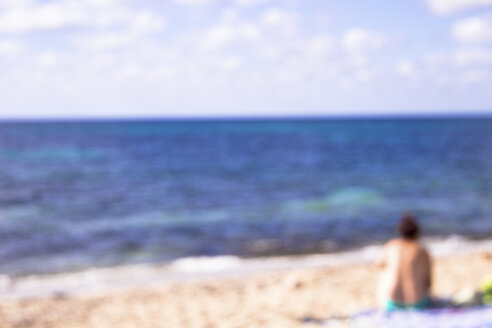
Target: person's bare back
{"points": [[406, 277], [407, 271]]}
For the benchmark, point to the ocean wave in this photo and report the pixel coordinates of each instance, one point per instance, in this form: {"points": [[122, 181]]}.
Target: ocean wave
{"points": [[188, 268], [442, 246]]}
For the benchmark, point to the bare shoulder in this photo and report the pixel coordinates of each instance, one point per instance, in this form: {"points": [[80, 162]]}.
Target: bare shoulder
{"points": [[386, 251], [394, 244], [391, 243]]}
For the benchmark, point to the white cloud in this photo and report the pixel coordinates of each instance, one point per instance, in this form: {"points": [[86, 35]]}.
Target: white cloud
{"points": [[106, 40], [477, 29], [437, 59], [101, 3], [225, 34], [230, 15], [145, 22], [472, 57], [250, 2], [193, 2], [232, 63], [47, 59], [443, 7], [11, 47], [268, 36], [361, 40], [101, 61], [28, 16], [406, 68], [141, 23], [227, 57], [364, 74], [277, 17], [357, 60], [453, 68], [165, 71], [7, 4], [48, 17], [474, 76], [129, 71], [319, 46]]}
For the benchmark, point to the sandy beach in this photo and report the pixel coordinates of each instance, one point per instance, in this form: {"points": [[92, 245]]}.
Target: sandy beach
{"points": [[279, 298]]}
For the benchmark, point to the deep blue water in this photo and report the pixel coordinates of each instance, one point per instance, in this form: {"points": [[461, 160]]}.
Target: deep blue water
{"points": [[75, 194]]}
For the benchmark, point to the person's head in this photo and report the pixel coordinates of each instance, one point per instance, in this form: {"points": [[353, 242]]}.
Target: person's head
{"points": [[408, 227]]}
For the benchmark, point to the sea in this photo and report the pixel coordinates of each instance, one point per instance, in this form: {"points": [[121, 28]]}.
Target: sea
{"points": [[85, 194]]}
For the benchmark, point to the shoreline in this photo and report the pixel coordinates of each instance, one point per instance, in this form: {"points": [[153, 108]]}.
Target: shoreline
{"points": [[283, 298], [95, 281]]}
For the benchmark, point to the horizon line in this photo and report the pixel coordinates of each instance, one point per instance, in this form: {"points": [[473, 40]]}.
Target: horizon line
{"points": [[285, 117]]}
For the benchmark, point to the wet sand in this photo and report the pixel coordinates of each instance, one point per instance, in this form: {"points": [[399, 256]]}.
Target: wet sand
{"points": [[262, 299]]}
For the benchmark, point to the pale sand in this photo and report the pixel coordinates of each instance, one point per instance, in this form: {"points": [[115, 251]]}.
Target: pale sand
{"points": [[272, 299]]}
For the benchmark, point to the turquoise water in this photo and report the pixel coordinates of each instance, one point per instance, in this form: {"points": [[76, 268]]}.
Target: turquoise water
{"points": [[76, 194]]}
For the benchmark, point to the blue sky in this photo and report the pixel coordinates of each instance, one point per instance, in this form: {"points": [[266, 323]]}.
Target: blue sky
{"points": [[186, 58]]}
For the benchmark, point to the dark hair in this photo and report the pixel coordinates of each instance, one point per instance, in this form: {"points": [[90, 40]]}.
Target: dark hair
{"points": [[408, 227]]}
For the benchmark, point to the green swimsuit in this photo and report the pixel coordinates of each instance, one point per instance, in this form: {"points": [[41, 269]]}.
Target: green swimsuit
{"points": [[420, 305]]}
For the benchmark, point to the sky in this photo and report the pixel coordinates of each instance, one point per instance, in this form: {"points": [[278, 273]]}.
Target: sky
{"points": [[207, 58]]}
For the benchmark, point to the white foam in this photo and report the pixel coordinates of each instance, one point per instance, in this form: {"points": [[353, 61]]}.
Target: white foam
{"points": [[206, 264], [446, 246], [456, 244], [101, 280]]}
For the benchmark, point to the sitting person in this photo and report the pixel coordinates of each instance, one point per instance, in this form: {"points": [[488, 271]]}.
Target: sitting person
{"points": [[406, 277]]}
